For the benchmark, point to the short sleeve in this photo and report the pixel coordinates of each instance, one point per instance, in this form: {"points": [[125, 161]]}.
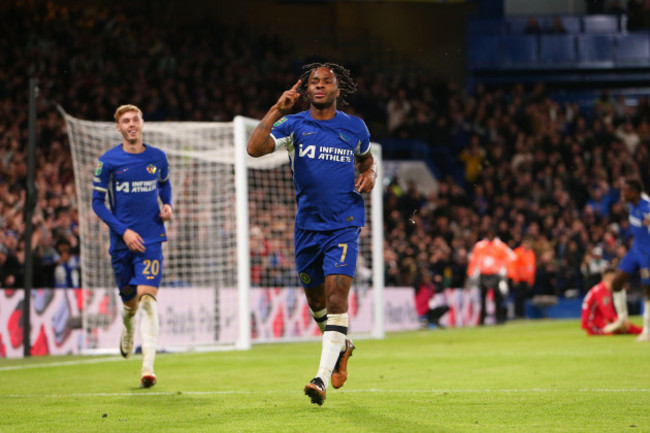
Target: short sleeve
{"points": [[282, 132], [363, 146]]}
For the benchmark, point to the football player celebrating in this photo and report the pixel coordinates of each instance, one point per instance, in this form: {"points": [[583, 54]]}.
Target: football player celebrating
{"points": [[324, 145], [135, 175]]}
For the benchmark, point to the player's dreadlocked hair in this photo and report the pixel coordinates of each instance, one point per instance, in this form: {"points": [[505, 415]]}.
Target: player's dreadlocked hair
{"points": [[634, 183], [347, 86]]}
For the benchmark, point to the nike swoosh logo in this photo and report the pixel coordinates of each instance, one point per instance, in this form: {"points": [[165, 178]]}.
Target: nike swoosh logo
{"points": [[337, 265], [308, 133]]}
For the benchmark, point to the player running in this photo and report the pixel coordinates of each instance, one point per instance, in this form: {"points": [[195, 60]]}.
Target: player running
{"points": [[135, 175], [638, 256], [324, 145]]}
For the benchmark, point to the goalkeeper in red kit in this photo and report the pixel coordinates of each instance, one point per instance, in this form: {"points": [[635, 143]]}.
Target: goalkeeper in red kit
{"points": [[598, 314]]}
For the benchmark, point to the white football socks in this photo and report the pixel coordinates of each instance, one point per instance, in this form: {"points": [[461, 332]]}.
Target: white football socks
{"points": [[620, 303], [334, 337], [149, 328], [320, 317], [127, 317], [646, 317]]}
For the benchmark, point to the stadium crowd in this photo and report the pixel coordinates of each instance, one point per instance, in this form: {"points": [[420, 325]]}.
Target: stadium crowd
{"points": [[530, 165]]}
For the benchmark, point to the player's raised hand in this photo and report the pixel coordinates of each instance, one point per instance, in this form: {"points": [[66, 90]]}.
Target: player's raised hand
{"points": [[288, 98], [133, 241], [166, 213]]}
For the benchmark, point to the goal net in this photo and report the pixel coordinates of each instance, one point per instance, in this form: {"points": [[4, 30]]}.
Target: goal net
{"points": [[229, 274]]}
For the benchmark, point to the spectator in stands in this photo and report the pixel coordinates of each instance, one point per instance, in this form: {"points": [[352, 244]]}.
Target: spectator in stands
{"points": [[628, 135], [11, 275], [532, 27], [592, 266], [398, 109], [557, 27], [598, 313], [473, 158]]}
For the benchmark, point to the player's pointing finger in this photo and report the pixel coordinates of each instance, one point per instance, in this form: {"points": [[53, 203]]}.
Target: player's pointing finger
{"points": [[295, 86]]}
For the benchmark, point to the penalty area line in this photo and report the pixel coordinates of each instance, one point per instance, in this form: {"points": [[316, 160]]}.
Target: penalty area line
{"points": [[62, 363]]}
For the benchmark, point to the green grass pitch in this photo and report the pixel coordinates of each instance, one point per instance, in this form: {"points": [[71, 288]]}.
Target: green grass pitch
{"points": [[531, 376]]}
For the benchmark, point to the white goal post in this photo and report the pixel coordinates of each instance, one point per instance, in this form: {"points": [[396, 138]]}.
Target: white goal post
{"points": [[230, 249]]}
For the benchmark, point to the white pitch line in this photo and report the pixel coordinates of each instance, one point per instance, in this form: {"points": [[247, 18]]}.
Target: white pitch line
{"points": [[61, 363], [288, 392]]}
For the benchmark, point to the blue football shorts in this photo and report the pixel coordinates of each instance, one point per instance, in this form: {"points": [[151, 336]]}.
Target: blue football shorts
{"points": [[132, 269], [319, 254], [634, 261]]}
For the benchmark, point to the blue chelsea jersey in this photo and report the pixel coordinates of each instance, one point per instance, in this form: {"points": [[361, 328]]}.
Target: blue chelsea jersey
{"points": [[133, 181], [640, 224], [321, 153]]}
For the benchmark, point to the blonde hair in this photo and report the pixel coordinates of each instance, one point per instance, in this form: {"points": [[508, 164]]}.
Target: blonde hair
{"points": [[125, 108]]}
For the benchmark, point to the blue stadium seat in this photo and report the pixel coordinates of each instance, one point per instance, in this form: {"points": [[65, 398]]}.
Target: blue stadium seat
{"points": [[517, 25], [557, 50], [521, 50], [479, 27], [484, 51], [596, 50], [633, 49], [572, 24], [600, 24]]}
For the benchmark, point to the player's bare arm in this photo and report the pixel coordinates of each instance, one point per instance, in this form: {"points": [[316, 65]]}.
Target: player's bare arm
{"points": [[133, 241], [368, 173], [261, 142]]}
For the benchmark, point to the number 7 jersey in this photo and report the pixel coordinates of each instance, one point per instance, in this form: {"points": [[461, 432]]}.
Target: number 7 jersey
{"points": [[321, 153]]}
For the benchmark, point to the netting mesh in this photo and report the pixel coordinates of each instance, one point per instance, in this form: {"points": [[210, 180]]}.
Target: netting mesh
{"points": [[201, 247], [201, 251]]}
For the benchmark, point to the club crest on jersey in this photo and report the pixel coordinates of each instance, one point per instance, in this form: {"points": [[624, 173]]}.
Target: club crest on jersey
{"points": [[151, 169], [98, 168], [280, 122], [305, 278]]}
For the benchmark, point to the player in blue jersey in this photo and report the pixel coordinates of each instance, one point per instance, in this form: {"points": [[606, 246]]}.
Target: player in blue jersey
{"points": [[324, 147], [135, 175], [637, 258]]}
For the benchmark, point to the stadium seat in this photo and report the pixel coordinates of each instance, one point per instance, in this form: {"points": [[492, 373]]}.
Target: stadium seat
{"points": [[557, 50], [633, 50], [572, 24], [521, 50], [517, 25], [596, 50], [600, 24], [486, 27], [484, 51]]}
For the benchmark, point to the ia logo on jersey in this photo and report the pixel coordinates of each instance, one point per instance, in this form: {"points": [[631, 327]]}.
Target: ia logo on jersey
{"points": [[98, 168], [151, 169], [309, 151]]}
